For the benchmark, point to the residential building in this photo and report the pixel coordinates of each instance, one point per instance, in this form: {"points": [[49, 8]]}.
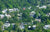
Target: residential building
{"points": [[34, 27], [24, 8], [48, 14], [7, 24], [29, 28], [8, 16], [4, 11], [14, 9], [46, 27], [29, 7], [21, 26], [10, 10], [32, 13], [39, 20], [19, 16], [2, 16], [42, 7]]}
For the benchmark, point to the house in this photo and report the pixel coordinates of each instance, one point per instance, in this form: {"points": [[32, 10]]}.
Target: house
{"points": [[37, 6], [48, 14], [34, 27], [10, 10], [14, 9], [46, 27], [42, 7], [29, 7], [21, 26], [2, 16], [32, 13], [19, 16], [7, 24], [4, 11], [17, 9], [8, 16], [29, 27], [39, 20], [24, 8]]}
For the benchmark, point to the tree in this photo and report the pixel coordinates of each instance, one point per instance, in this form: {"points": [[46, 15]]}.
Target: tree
{"points": [[1, 24], [6, 31]]}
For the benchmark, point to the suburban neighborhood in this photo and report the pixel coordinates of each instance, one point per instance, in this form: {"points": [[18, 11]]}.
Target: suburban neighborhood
{"points": [[25, 16]]}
